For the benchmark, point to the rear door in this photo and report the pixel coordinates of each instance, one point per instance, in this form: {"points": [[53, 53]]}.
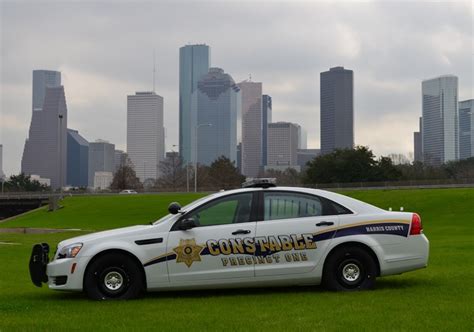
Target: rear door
{"points": [[216, 249], [294, 232]]}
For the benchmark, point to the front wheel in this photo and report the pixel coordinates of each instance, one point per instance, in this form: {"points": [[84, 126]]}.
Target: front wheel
{"points": [[113, 276], [349, 268]]}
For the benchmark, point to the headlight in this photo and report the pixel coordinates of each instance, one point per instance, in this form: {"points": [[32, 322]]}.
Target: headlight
{"points": [[70, 251]]}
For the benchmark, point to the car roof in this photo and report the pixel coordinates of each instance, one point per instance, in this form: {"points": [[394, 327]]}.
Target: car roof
{"points": [[352, 204]]}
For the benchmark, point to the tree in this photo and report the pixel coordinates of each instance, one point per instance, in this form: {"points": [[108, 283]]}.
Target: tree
{"points": [[172, 173], [350, 165], [223, 174], [22, 182], [385, 170], [461, 169], [342, 165], [125, 177]]}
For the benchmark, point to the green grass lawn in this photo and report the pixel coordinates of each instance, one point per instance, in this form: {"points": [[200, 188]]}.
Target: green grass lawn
{"points": [[440, 297]]}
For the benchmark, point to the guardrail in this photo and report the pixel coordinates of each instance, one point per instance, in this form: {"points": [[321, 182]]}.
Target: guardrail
{"points": [[27, 195], [461, 183]]}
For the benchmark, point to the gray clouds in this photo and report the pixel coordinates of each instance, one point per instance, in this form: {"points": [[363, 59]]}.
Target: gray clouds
{"points": [[104, 51]]}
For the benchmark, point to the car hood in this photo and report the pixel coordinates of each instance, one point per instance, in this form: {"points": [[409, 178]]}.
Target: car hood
{"points": [[115, 233]]}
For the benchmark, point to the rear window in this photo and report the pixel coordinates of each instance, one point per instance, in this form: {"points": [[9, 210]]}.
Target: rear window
{"points": [[289, 205]]}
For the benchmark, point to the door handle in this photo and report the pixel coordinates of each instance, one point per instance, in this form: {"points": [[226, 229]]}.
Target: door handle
{"points": [[241, 231], [325, 223]]}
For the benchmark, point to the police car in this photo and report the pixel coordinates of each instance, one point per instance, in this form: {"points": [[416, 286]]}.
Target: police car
{"points": [[261, 235]]}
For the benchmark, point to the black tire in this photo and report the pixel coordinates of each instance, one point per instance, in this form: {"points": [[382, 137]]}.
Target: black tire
{"points": [[113, 276], [349, 268]]}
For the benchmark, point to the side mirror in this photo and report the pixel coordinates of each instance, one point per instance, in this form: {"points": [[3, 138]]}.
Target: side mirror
{"points": [[174, 208], [186, 224]]}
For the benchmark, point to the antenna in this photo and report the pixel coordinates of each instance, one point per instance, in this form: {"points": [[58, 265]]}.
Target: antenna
{"points": [[250, 77], [154, 70]]}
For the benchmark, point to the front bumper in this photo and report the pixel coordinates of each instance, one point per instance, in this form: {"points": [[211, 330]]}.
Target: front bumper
{"points": [[60, 274], [66, 273]]}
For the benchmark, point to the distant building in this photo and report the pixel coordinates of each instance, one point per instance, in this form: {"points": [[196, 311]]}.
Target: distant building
{"points": [[337, 109], [466, 129], [2, 174], [102, 180], [282, 146], [252, 130], [145, 134], [194, 61], [120, 158], [418, 143], [41, 180], [266, 119], [77, 159], [440, 135], [306, 155], [172, 155], [302, 138], [216, 103], [45, 150], [101, 159]]}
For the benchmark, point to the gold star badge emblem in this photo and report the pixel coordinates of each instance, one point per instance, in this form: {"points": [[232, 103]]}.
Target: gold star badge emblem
{"points": [[188, 252]]}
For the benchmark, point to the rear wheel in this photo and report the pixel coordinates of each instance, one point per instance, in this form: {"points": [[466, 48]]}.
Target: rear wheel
{"points": [[113, 276], [349, 268]]}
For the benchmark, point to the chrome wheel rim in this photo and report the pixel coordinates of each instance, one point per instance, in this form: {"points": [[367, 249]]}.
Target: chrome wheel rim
{"points": [[350, 272], [113, 280]]}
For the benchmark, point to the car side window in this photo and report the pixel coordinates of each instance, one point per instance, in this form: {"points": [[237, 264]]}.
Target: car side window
{"points": [[281, 205], [227, 210]]}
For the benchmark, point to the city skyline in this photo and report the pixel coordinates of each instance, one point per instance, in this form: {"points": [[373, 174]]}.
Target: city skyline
{"points": [[387, 78]]}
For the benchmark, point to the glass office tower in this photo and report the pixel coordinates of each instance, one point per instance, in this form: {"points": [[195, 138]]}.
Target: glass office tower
{"points": [[194, 63]]}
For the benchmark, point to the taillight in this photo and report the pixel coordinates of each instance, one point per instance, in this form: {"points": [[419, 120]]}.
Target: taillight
{"points": [[416, 226]]}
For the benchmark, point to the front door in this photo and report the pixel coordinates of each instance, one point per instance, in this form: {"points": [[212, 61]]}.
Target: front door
{"points": [[217, 247], [294, 233]]}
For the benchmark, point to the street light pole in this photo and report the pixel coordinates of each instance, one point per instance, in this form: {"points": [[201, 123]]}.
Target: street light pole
{"points": [[196, 151], [60, 155]]}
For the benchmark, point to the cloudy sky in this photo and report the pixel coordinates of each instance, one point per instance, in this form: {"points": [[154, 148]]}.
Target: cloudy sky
{"points": [[104, 50]]}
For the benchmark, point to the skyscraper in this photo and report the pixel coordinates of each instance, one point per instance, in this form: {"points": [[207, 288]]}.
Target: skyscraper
{"points": [[194, 61], [43, 79], [282, 146], [302, 138], [418, 143], [252, 130], [266, 119], [466, 129], [145, 133], [101, 160], [45, 152], [440, 120], [120, 158], [77, 159], [216, 103], [337, 109]]}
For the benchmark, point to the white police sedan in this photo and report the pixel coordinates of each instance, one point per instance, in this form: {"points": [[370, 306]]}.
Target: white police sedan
{"points": [[262, 235]]}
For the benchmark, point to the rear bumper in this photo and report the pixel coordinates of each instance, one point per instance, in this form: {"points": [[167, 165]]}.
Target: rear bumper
{"points": [[409, 255]]}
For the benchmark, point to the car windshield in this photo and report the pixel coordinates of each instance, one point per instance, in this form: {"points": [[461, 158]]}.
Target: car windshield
{"points": [[184, 208]]}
